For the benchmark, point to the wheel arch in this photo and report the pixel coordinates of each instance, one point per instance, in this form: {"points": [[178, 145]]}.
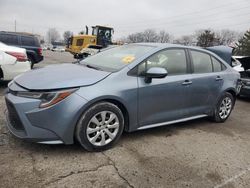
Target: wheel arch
{"points": [[110, 99], [232, 91]]}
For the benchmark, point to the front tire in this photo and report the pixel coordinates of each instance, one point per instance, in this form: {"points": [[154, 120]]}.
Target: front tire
{"points": [[224, 108], [100, 127]]}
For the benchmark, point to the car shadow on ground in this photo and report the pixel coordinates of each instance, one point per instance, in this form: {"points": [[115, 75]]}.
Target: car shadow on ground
{"points": [[244, 98]]}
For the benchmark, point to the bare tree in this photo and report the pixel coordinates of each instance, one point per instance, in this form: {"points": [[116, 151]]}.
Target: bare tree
{"points": [[150, 35], [163, 37], [67, 35], [186, 40], [53, 35], [136, 37], [227, 37]]}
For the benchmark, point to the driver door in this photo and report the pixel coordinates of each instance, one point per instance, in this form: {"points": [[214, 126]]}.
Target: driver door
{"points": [[163, 99]]}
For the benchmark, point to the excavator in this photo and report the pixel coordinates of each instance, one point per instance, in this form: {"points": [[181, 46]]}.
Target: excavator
{"points": [[83, 45]]}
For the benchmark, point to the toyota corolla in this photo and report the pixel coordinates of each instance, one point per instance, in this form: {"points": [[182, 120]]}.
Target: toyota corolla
{"points": [[126, 88]]}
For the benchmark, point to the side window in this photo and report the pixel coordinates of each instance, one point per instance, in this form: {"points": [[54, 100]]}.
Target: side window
{"points": [[79, 42], [201, 62], [217, 65], [9, 39], [173, 60], [28, 41]]}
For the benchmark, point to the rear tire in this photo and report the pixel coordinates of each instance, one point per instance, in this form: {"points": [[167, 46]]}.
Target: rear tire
{"points": [[1, 74], [100, 127], [223, 108], [32, 61]]}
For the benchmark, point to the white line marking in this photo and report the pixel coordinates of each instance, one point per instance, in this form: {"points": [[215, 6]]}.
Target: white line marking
{"points": [[233, 178]]}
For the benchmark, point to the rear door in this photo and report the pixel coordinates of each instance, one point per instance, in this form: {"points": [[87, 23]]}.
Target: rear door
{"points": [[207, 81], [163, 99]]}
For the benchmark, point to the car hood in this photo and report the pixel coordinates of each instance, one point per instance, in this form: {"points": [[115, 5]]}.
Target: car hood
{"points": [[60, 77]]}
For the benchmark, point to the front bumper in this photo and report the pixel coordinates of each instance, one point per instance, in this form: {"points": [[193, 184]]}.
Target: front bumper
{"points": [[52, 125]]}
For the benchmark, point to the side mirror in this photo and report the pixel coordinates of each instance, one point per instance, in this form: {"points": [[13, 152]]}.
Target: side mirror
{"points": [[155, 72]]}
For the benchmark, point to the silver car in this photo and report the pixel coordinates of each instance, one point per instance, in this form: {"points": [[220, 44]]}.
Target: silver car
{"points": [[127, 88]]}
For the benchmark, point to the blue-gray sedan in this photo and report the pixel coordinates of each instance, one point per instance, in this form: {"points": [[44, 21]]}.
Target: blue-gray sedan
{"points": [[126, 88]]}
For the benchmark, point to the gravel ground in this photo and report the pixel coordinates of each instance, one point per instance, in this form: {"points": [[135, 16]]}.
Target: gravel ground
{"points": [[192, 154]]}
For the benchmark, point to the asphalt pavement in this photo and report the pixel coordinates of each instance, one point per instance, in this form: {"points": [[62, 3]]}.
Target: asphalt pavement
{"points": [[197, 153]]}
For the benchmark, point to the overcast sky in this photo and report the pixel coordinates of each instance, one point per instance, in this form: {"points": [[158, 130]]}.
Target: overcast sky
{"points": [[178, 17]]}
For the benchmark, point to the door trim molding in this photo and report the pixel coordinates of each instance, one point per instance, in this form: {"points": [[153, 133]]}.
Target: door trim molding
{"points": [[171, 122]]}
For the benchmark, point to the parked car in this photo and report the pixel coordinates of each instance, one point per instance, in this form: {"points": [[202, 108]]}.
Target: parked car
{"points": [[13, 61], [244, 70], [58, 49], [23, 40], [127, 88]]}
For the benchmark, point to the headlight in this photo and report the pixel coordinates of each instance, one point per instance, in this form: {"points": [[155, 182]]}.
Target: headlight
{"points": [[47, 98]]}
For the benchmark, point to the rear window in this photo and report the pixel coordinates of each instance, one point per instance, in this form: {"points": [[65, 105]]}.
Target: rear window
{"points": [[29, 41], [9, 39]]}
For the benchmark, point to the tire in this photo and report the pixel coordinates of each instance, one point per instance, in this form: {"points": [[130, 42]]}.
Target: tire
{"points": [[101, 134], [32, 61], [223, 108], [1, 73]]}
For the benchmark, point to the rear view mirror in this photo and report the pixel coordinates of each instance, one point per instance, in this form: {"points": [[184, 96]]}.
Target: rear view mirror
{"points": [[155, 72]]}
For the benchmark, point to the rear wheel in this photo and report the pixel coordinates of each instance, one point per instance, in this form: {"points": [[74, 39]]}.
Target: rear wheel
{"points": [[32, 61], [1, 73], [224, 108], [100, 127]]}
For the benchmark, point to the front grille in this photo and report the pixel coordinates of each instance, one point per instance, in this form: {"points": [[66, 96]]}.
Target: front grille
{"points": [[13, 117]]}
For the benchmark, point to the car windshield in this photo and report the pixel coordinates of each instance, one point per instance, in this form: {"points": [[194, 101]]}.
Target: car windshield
{"points": [[116, 58]]}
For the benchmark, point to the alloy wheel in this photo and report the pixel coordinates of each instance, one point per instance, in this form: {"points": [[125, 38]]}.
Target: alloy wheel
{"points": [[225, 108], [102, 128]]}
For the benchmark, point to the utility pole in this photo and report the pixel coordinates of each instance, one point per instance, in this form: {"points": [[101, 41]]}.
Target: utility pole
{"points": [[15, 25]]}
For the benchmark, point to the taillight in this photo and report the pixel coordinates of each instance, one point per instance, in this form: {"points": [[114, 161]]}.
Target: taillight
{"points": [[40, 51], [18, 55]]}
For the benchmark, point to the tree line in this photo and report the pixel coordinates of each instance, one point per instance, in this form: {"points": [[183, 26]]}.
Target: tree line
{"points": [[203, 38]]}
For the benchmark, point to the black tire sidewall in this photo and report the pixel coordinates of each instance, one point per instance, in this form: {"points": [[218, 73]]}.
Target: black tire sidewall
{"points": [[217, 117], [32, 61], [85, 118]]}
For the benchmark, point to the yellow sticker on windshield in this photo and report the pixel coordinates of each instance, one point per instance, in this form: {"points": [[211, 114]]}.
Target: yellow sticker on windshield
{"points": [[128, 59]]}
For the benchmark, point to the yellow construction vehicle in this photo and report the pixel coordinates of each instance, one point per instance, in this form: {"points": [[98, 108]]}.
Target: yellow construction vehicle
{"points": [[101, 37]]}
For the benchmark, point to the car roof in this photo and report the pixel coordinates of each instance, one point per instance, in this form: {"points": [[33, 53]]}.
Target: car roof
{"points": [[223, 52], [168, 45], [18, 33]]}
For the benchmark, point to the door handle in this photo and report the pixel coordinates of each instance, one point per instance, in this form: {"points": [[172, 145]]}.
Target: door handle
{"points": [[187, 82], [218, 78]]}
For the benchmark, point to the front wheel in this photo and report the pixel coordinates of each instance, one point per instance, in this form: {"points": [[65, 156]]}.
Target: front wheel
{"points": [[224, 108], [100, 127]]}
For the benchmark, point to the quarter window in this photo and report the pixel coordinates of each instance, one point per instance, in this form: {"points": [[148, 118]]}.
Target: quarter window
{"points": [[173, 60], [201, 62], [217, 65]]}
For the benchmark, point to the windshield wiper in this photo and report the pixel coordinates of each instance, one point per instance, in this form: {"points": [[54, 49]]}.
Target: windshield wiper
{"points": [[93, 67]]}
